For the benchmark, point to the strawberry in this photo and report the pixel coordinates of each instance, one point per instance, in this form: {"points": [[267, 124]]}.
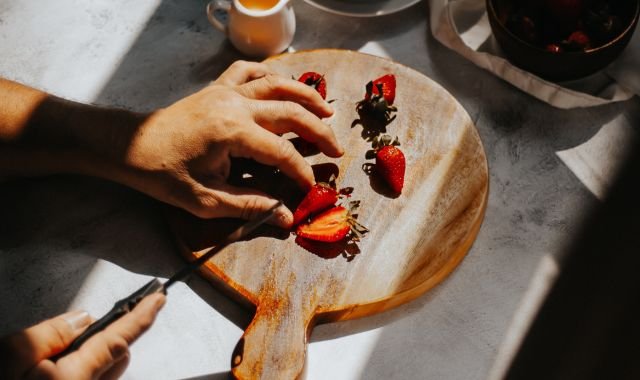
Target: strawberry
{"points": [[579, 40], [385, 84], [333, 225], [553, 48], [378, 99], [316, 81], [320, 197], [390, 162]]}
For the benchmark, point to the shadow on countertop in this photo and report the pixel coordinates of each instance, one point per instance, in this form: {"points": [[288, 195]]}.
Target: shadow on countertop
{"points": [[82, 220], [71, 223]]}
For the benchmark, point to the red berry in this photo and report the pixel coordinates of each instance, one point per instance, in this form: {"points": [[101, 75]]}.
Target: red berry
{"points": [[579, 40], [388, 85], [332, 225], [378, 99], [320, 197], [316, 81], [553, 48], [390, 162]]}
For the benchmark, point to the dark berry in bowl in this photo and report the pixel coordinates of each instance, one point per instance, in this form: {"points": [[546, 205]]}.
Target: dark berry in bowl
{"points": [[562, 40]]}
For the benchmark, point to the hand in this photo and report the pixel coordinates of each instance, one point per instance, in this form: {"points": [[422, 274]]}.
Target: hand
{"points": [[25, 355], [181, 154]]}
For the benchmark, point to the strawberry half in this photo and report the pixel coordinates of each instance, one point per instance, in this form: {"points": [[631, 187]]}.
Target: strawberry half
{"points": [[320, 197], [316, 81], [378, 99], [390, 162], [333, 225], [386, 85]]}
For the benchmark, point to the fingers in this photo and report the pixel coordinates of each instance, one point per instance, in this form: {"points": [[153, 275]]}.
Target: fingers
{"points": [[223, 200], [46, 369], [117, 369], [104, 350], [282, 117], [274, 87], [27, 348], [266, 148], [241, 72], [54, 335]]}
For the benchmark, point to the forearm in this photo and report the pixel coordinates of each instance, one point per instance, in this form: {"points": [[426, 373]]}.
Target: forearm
{"points": [[41, 134]]}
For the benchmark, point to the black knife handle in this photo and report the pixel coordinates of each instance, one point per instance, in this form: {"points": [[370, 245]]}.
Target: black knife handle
{"points": [[120, 308]]}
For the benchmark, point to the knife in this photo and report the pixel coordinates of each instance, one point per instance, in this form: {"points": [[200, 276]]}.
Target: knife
{"points": [[125, 305]]}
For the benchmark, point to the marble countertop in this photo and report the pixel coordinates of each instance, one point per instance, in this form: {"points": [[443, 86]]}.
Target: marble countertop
{"points": [[69, 242]]}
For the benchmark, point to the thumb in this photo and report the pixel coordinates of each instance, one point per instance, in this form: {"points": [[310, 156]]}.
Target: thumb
{"points": [[44, 340], [106, 351], [238, 202]]}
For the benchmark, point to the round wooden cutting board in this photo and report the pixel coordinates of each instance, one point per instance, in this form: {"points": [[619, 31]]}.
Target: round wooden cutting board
{"points": [[415, 239]]}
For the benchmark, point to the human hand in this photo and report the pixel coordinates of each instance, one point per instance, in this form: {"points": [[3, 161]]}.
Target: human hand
{"points": [[181, 154], [25, 355]]}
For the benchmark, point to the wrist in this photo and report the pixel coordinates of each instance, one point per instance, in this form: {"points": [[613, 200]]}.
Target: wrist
{"points": [[101, 139], [61, 136]]}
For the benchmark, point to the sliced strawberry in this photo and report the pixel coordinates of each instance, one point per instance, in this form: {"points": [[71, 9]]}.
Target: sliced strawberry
{"points": [[330, 226], [390, 162], [386, 83], [333, 225], [321, 196], [316, 81]]}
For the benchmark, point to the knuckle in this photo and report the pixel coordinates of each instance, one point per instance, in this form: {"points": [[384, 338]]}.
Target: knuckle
{"points": [[240, 65], [250, 209], [295, 110], [325, 132], [274, 82], [58, 334], [117, 346], [239, 136], [287, 151], [206, 205], [145, 321]]}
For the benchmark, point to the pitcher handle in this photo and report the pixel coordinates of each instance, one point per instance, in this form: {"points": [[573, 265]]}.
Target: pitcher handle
{"points": [[218, 14]]}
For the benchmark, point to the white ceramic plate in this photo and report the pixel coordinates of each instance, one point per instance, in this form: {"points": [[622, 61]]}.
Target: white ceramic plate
{"points": [[362, 8]]}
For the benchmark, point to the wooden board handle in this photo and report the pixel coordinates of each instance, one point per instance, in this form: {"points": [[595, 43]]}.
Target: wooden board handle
{"points": [[275, 343]]}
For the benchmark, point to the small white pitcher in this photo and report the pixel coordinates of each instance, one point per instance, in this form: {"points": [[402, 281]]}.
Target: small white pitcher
{"points": [[257, 33]]}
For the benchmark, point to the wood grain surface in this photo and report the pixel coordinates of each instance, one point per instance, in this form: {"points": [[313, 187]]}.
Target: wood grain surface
{"points": [[415, 239]]}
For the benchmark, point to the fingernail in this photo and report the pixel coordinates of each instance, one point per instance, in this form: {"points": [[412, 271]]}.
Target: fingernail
{"points": [[159, 300], [78, 320], [329, 109], [283, 217]]}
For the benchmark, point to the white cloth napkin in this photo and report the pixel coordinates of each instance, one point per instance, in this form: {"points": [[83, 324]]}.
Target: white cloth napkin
{"points": [[463, 25]]}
